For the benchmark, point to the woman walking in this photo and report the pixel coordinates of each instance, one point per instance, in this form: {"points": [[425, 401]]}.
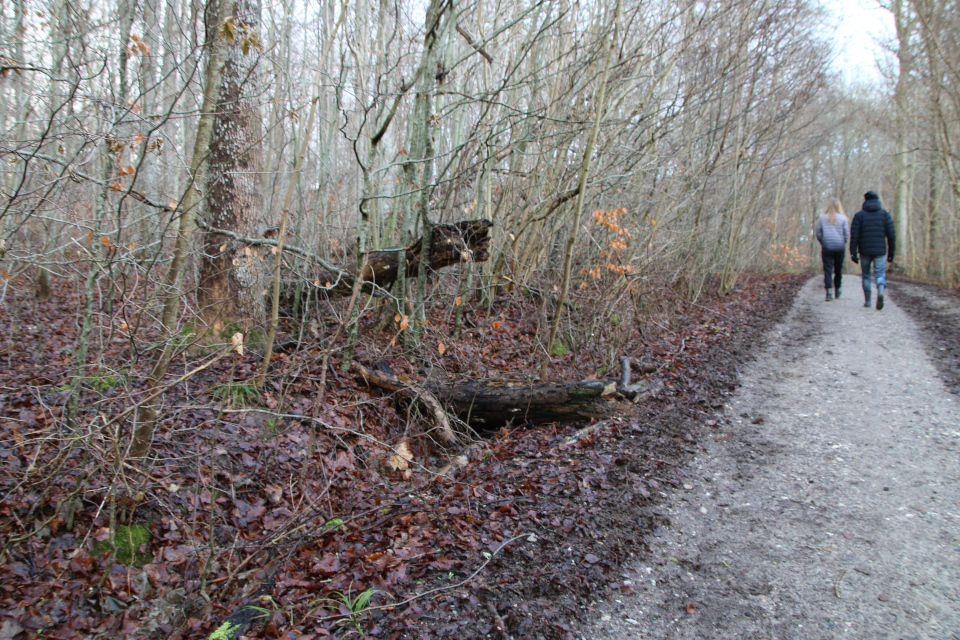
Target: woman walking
{"points": [[833, 233]]}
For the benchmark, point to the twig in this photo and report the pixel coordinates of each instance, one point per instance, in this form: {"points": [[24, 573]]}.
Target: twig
{"points": [[476, 46], [836, 587], [501, 627], [438, 589], [340, 273], [422, 396], [161, 391]]}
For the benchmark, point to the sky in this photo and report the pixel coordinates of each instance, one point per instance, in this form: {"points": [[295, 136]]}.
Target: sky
{"points": [[862, 29]]}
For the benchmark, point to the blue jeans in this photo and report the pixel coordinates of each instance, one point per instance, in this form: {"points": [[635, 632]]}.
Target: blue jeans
{"points": [[879, 269]]}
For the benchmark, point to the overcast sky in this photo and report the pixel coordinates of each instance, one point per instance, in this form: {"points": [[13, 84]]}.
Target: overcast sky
{"points": [[862, 30]]}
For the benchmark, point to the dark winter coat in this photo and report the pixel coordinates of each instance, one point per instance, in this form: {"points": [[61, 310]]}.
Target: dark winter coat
{"points": [[872, 232]]}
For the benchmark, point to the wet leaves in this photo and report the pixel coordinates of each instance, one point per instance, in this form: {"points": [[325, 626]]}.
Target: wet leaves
{"points": [[333, 498]]}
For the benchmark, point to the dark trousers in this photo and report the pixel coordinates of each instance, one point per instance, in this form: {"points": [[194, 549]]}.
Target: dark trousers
{"points": [[832, 267]]}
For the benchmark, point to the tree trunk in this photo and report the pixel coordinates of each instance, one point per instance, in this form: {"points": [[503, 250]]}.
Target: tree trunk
{"points": [[902, 102], [232, 276]]}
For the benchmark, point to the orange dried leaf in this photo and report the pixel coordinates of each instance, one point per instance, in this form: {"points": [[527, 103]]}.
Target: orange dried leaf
{"points": [[458, 301], [496, 325], [442, 349]]}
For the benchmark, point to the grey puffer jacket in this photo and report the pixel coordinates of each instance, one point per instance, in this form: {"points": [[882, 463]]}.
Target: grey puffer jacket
{"points": [[872, 232], [833, 237]]}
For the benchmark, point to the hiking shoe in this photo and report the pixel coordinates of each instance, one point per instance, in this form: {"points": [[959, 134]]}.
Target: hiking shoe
{"points": [[837, 295], [879, 301], [829, 295], [866, 299]]}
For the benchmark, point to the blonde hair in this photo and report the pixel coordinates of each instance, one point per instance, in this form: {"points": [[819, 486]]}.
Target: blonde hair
{"points": [[833, 209]]}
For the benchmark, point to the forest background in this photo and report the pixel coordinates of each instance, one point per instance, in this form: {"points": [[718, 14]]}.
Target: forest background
{"points": [[189, 188]]}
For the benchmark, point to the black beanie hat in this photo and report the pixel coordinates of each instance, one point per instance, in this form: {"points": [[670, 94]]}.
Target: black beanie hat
{"points": [[871, 195]]}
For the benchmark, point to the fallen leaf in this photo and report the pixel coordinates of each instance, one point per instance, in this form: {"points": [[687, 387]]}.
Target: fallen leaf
{"points": [[442, 349], [691, 608], [237, 341], [400, 461], [9, 630]]}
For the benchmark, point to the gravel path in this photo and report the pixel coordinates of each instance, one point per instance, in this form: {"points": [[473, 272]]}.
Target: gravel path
{"points": [[825, 501]]}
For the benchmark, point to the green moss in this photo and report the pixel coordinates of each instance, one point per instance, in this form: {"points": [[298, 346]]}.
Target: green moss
{"points": [[560, 349], [336, 523], [103, 383], [224, 631], [128, 540]]}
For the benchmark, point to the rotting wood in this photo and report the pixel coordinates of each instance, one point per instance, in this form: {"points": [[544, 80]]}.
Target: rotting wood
{"points": [[634, 392], [427, 399], [489, 405], [465, 241]]}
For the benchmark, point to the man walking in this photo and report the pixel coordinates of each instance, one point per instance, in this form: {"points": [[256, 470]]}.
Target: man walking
{"points": [[873, 237]]}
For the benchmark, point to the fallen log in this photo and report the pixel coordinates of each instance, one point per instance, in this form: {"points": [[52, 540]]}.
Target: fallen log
{"points": [[465, 241], [489, 405]]}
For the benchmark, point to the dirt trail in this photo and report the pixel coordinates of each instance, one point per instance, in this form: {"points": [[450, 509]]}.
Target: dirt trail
{"points": [[827, 502]]}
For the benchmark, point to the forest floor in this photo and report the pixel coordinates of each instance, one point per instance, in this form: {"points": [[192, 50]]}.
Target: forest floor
{"points": [[826, 501], [299, 507]]}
